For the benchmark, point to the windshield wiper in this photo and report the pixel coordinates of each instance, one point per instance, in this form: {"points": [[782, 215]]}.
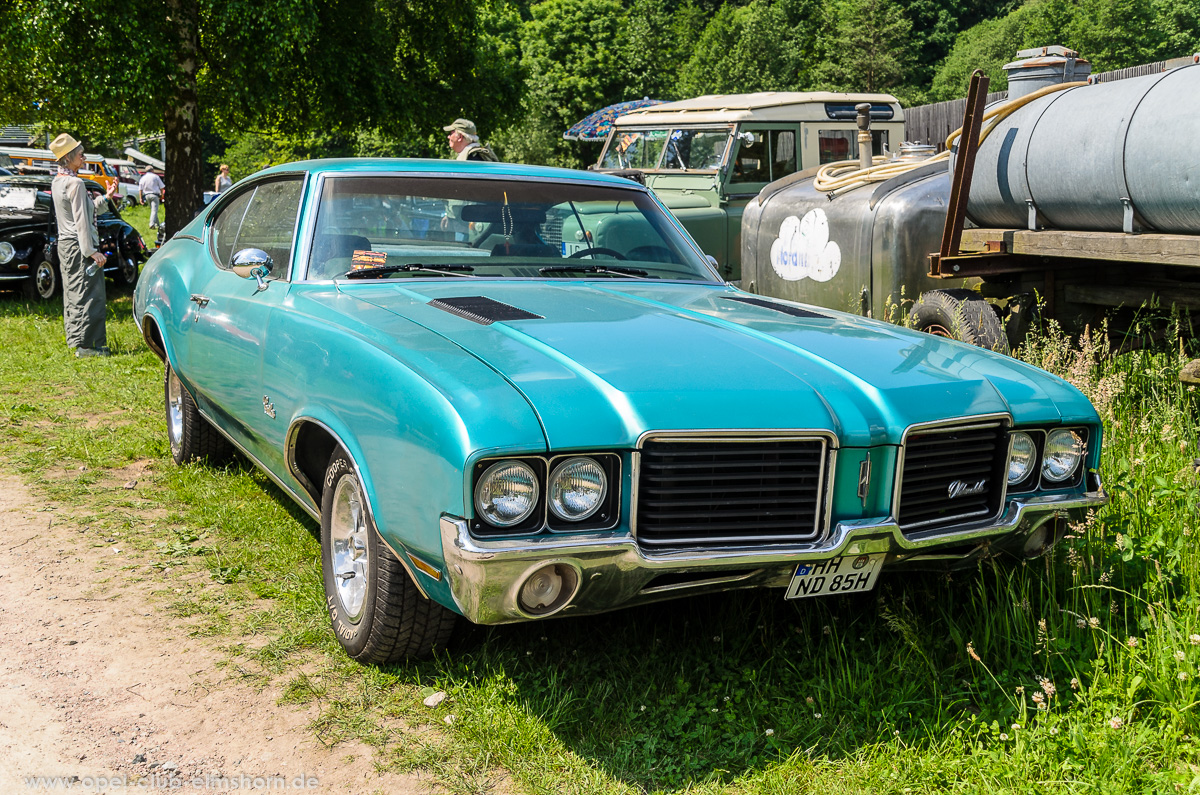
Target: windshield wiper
{"points": [[617, 269], [413, 267]]}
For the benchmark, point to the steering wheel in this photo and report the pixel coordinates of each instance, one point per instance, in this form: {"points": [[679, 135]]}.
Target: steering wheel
{"points": [[597, 250]]}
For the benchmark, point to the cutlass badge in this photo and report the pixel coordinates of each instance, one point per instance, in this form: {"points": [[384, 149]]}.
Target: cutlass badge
{"points": [[268, 407], [960, 488]]}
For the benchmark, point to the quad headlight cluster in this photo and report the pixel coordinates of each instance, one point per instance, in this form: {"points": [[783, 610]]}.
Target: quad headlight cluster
{"points": [[519, 495], [1053, 458]]}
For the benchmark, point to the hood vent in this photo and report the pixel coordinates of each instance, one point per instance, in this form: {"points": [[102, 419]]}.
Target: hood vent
{"points": [[482, 310], [794, 311]]}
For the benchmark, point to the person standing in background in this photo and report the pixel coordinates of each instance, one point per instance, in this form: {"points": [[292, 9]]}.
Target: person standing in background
{"points": [[224, 181], [152, 193], [79, 258], [464, 140]]}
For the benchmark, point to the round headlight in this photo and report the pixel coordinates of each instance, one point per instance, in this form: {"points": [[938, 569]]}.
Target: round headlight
{"points": [[1064, 451], [577, 489], [1022, 458], [506, 494], [7, 252]]}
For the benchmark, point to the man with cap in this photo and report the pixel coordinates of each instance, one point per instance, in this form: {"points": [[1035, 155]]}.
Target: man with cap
{"points": [[151, 185], [79, 258], [464, 140]]}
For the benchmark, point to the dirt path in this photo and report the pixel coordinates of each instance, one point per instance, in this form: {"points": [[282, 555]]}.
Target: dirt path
{"points": [[96, 683]]}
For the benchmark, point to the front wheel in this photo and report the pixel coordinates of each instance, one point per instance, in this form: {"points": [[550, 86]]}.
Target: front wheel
{"points": [[961, 315], [44, 283], [191, 436], [378, 615]]}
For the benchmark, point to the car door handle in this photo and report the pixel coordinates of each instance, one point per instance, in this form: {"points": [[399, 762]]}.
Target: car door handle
{"points": [[202, 300]]}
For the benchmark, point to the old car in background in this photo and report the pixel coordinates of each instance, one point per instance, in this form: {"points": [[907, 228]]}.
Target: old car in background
{"points": [[707, 157], [508, 393], [41, 161], [29, 234]]}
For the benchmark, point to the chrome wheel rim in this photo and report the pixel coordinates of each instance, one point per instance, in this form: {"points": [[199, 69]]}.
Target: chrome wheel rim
{"points": [[174, 411], [350, 555], [44, 279]]}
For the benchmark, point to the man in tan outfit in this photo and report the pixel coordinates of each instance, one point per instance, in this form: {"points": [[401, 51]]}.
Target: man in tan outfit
{"points": [[79, 258]]}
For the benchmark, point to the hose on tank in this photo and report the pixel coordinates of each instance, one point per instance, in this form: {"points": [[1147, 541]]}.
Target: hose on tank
{"points": [[846, 174]]}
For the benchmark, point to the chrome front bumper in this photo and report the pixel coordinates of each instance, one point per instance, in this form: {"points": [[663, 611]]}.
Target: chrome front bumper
{"points": [[613, 571]]}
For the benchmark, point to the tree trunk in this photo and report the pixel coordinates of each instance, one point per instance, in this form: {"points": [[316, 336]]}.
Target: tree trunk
{"points": [[181, 121]]}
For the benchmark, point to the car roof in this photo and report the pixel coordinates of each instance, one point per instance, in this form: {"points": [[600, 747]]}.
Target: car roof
{"points": [[42, 154], [760, 106], [366, 165]]}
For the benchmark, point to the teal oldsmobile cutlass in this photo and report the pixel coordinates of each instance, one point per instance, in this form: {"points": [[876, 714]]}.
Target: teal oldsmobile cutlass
{"points": [[510, 393]]}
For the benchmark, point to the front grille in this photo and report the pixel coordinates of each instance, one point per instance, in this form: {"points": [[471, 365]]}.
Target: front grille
{"points": [[733, 492], [952, 476]]}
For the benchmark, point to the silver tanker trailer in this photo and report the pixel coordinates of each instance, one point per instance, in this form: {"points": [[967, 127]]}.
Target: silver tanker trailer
{"points": [[1080, 198]]}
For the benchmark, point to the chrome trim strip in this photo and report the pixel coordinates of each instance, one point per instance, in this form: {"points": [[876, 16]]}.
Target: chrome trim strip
{"points": [[15, 277], [974, 422], [187, 237], [614, 569], [290, 447], [824, 486], [683, 586]]}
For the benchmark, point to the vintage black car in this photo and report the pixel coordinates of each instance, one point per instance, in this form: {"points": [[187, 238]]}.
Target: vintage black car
{"points": [[28, 237]]}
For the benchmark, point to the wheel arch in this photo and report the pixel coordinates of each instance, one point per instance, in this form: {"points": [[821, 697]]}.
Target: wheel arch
{"points": [[153, 337], [310, 444]]}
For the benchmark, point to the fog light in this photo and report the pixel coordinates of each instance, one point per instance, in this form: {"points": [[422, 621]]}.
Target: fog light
{"points": [[548, 589], [1035, 542]]}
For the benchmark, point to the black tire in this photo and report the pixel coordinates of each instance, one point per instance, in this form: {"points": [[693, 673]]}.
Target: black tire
{"points": [[191, 436], [127, 270], [961, 315], [44, 283], [377, 613]]}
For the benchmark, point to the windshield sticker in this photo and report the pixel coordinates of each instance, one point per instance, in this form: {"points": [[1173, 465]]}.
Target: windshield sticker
{"points": [[803, 249], [367, 259]]}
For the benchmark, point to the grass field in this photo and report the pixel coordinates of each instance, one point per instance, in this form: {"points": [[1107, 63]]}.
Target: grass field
{"points": [[1075, 673]]}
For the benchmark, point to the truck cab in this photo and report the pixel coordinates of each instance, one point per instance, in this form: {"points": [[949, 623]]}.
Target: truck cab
{"points": [[706, 158]]}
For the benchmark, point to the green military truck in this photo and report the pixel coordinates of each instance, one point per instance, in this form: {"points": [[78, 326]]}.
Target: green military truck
{"points": [[707, 157]]}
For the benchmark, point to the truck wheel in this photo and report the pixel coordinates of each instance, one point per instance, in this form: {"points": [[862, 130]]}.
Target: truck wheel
{"points": [[191, 436], [378, 615], [961, 315]]}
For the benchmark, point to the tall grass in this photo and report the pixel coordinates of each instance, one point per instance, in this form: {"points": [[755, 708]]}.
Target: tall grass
{"points": [[1072, 673]]}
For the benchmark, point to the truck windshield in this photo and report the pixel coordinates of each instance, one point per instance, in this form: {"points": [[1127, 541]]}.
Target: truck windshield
{"points": [[667, 149]]}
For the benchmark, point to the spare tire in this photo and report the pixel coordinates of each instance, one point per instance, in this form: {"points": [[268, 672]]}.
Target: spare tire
{"points": [[961, 315]]}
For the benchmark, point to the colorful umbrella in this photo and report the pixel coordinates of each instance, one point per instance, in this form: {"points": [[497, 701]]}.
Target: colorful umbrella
{"points": [[595, 126]]}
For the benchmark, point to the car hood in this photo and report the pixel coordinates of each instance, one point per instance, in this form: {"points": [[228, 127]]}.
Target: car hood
{"points": [[602, 362]]}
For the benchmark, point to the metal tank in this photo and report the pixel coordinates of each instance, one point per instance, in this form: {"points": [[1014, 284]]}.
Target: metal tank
{"points": [[1117, 156], [858, 252]]}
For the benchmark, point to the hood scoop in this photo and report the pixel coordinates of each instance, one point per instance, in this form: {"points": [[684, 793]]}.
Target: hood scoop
{"points": [[482, 310], [794, 311]]}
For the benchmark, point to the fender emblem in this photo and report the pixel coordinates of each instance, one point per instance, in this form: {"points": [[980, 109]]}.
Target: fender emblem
{"points": [[959, 488], [269, 408]]}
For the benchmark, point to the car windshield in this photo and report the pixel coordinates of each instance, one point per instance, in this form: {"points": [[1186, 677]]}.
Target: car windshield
{"points": [[405, 227], [667, 149], [17, 197]]}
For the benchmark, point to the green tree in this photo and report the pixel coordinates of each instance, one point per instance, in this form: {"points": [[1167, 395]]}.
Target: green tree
{"points": [[267, 65], [1113, 34], [571, 63], [870, 47], [767, 45]]}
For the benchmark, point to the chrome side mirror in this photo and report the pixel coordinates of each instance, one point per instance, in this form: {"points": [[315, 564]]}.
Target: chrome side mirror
{"points": [[252, 263]]}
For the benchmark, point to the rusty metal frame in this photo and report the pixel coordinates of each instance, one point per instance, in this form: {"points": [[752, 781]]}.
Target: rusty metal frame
{"points": [[960, 185]]}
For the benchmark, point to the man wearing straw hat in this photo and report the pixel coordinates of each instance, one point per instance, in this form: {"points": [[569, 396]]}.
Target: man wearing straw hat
{"points": [[79, 257]]}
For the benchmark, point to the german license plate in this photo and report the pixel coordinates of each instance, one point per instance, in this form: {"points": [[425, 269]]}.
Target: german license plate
{"points": [[849, 574]]}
